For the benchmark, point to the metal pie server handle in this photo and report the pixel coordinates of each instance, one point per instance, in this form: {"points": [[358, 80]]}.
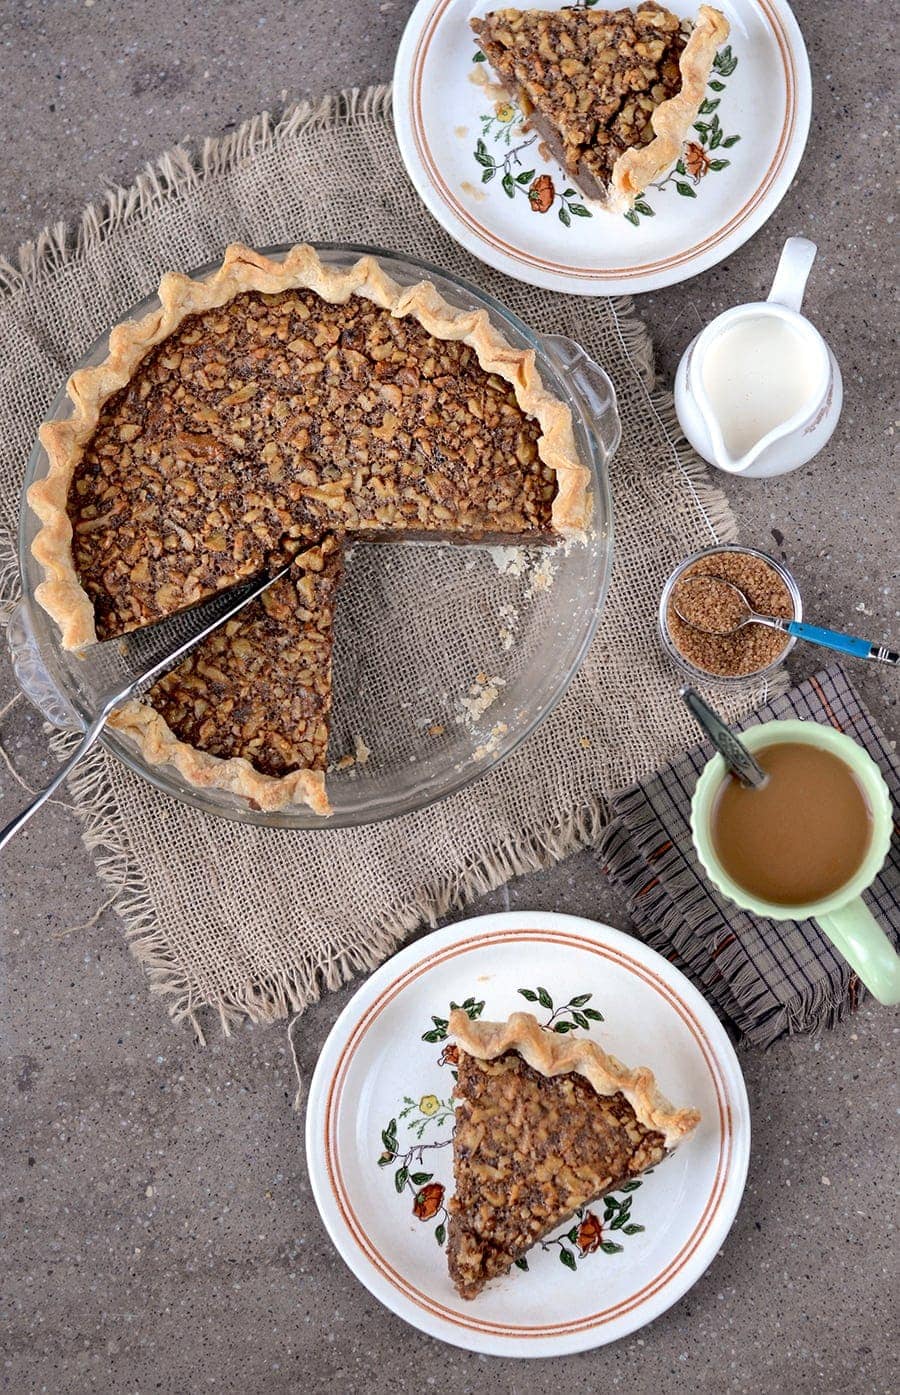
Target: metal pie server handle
{"points": [[90, 738], [735, 754], [127, 667]]}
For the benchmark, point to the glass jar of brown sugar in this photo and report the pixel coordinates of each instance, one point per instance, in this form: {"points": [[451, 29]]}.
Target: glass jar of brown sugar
{"points": [[750, 652]]}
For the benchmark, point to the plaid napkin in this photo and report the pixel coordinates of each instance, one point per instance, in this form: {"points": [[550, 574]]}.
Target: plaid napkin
{"points": [[768, 978]]}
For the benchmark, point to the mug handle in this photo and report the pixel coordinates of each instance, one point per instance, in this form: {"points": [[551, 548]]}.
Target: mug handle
{"points": [[854, 931]]}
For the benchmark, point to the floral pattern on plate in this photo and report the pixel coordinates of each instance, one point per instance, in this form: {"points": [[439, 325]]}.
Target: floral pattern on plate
{"points": [[505, 150], [381, 1093], [502, 196], [585, 1235]]}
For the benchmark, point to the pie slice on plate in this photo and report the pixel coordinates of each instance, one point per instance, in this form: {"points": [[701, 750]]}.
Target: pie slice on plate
{"points": [[613, 93], [545, 1124]]}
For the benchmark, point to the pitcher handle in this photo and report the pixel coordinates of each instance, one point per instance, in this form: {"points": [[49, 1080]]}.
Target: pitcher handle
{"points": [[794, 266], [856, 934]]}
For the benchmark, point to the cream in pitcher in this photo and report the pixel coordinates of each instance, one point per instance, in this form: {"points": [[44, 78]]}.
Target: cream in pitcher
{"points": [[756, 377], [758, 392]]}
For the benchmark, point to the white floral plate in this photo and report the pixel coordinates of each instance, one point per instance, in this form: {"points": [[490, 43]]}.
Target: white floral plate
{"points": [[379, 1125], [487, 183]]}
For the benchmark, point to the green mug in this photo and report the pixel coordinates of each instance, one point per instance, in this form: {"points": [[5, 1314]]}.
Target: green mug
{"points": [[843, 916]]}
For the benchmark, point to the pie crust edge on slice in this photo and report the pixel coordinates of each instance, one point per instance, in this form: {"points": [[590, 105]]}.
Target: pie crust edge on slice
{"points": [[245, 270], [551, 1054], [637, 167]]}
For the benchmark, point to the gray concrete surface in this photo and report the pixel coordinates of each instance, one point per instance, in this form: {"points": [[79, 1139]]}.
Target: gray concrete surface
{"points": [[158, 1229]]}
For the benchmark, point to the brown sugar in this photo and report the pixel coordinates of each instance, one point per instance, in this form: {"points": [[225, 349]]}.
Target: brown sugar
{"points": [[708, 603], [752, 647]]}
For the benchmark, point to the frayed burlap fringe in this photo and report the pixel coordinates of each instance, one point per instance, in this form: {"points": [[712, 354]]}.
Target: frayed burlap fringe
{"points": [[637, 347], [9, 574], [106, 837], [178, 172], [175, 175], [276, 997]]}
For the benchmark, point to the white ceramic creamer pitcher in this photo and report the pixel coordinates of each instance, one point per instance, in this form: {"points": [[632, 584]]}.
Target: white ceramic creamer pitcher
{"points": [[758, 392]]}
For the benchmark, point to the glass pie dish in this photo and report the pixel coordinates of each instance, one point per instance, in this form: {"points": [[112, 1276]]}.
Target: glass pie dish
{"points": [[446, 657]]}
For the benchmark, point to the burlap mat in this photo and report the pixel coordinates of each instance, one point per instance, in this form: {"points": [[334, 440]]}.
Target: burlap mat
{"points": [[254, 922]]}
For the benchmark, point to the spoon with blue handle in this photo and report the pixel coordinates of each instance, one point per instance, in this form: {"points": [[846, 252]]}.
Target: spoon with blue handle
{"points": [[733, 751], [718, 607]]}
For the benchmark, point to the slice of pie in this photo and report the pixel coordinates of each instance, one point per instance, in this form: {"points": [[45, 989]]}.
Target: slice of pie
{"points": [[258, 690], [272, 404], [613, 93], [545, 1124]]}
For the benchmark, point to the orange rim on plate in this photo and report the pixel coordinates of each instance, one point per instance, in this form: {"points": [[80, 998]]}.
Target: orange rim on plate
{"points": [[467, 218], [380, 1262]]}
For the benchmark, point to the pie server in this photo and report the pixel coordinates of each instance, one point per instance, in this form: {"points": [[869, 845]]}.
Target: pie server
{"points": [[119, 669]]}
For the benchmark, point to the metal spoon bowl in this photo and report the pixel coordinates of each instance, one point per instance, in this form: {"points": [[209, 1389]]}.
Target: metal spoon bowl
{"points": [[736, 609]]}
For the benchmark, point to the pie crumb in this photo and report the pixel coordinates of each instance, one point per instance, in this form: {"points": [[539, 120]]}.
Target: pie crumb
{"points": [[542, 576], [509, 617], [360, 755], [509, 561], [482, 694], [487, 748]]}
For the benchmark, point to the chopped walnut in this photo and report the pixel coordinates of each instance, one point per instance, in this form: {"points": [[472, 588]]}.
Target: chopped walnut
{"points": [[260, 686]]}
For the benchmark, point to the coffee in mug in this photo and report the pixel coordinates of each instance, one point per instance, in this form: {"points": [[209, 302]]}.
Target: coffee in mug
{"points": [[803, 835], [808, 844]]}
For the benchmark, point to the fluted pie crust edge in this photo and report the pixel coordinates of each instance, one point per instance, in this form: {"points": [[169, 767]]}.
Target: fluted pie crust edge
{"points": [[61, 594], [636, 169], [551, 1053]]}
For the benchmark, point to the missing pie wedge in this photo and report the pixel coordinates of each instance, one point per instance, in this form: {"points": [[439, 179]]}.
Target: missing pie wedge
{"points": [[613, 93], [545, 1124]]}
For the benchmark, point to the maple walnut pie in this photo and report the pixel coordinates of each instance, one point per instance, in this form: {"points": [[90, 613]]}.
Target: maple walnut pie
{"points": [[545, 1124], [613, 93], [282, 406]]}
